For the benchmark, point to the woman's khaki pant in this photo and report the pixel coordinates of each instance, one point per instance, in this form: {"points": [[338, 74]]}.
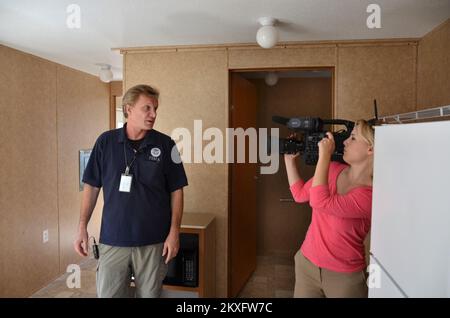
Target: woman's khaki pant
{"points": [[312, 281]]}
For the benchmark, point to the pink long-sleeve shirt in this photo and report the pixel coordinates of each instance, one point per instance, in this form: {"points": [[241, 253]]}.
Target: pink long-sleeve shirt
{"points": [[339, 225]]}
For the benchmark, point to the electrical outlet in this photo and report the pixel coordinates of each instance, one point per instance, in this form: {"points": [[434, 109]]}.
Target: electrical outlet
{"points": [[45, 236]]}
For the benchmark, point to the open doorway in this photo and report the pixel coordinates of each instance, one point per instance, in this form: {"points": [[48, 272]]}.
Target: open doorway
{"points": [[266, 228]]}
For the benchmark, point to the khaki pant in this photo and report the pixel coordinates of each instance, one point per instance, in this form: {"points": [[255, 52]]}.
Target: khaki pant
{"points": [[116, 264], [315, 282]]}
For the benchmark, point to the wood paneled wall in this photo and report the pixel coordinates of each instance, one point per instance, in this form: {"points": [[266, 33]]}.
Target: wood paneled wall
{"points": [[386, 73], [83, 114], [48, 113], [433, 78], [28, 191], [298, 55]]}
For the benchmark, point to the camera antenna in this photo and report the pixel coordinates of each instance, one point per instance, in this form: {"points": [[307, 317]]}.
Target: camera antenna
{"points": [[375, 109], [374, 121]]}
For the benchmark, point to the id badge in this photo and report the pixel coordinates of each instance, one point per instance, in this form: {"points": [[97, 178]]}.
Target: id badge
{"points": [[125, 182]]}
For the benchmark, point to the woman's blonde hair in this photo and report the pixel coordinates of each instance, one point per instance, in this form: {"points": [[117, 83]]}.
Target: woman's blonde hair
{"points": [[367, 132], [132, 95]]}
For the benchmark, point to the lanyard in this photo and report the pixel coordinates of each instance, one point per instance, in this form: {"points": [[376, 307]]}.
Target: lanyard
{"points": [[128, 167]]}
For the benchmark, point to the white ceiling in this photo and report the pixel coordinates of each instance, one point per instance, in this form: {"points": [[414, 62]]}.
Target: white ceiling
{"points": [[39, 27]]}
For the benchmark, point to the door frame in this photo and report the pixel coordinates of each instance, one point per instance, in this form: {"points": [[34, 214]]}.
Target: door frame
{"points": [[332, 69]]}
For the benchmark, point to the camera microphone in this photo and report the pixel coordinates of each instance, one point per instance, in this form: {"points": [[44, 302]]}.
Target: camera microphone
{"points": [[280, 120]]}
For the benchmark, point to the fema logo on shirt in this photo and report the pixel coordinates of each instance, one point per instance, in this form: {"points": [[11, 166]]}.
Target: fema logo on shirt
{"points": [[154, 154]]}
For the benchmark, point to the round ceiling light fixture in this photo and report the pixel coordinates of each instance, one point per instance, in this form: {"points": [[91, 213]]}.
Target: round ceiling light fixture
{"points": [[267, 35], [106, 75], [271, 78]]}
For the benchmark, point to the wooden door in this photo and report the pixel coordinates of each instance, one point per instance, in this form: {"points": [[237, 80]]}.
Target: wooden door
{"points": [[243, 177]]}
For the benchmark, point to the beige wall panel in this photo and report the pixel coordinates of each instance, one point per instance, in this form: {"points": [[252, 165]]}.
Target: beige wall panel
{"points": [[83, 114], [282, 226], [240, 58], [193, 85], [385, 73], [433, 78], [28, 191], [49, 112]]}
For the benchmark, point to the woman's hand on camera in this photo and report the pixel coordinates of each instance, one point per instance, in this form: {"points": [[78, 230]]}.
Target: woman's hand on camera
{"points": [[326, 146], [291, 157], [291, 165]]}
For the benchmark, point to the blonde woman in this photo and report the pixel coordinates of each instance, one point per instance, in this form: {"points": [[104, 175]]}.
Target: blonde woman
{"points": [[331, 260]]}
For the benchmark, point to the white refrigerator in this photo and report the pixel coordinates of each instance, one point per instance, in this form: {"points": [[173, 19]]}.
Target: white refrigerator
{"points": [[410, 234]]}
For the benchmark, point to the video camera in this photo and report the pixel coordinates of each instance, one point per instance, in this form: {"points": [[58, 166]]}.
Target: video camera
{"points": [[312, 132]]}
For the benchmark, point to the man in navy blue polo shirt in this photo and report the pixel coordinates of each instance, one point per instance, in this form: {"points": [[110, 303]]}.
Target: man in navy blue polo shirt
{"points": [[143, 200]]}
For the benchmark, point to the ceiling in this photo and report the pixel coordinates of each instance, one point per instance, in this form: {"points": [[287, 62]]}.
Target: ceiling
{"points": [[39, 27]]}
